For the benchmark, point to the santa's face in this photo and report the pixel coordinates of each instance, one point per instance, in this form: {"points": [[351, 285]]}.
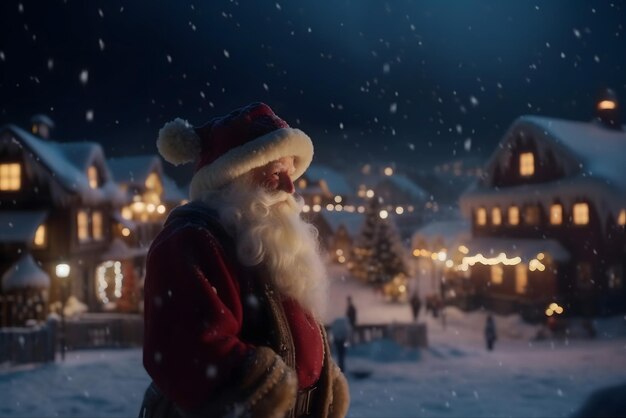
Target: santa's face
{"points": [[275, 176], [263, 214]]}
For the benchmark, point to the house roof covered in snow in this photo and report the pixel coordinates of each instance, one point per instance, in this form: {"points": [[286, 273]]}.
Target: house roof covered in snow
{"points": [[592, 158], [25, 273], [446, 233], [336, 182], [20, 226], [135, 169], [526, 249], [68, 163], [404, 185]]}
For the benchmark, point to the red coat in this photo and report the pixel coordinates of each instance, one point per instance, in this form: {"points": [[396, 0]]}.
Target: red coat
{"points": [[198, 333]]}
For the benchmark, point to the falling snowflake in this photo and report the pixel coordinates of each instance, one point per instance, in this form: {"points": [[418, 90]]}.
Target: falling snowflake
{"points": [[266, 87], [226, 54], [89, 115], [50, 63], [596, 58], [562, 54], [2, 56], [386, 68], [459, 129], [101, 43], [473, 101], [393, 108], [278, 6], [101, 13], [20, 8], [84, 77], [341, 125], [468, 144], [169, 58]]}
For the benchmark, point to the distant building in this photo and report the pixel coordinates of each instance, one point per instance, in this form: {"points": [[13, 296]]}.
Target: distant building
{"points": [[548, 218], [61, 206]]}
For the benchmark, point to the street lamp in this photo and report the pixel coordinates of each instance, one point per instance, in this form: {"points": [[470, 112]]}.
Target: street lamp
{"points": [[63, 272]]}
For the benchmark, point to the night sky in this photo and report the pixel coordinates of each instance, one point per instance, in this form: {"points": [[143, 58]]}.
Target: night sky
{"points": [[411, 82]]}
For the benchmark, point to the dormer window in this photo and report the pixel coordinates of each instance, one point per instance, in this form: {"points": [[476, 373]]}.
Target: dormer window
{"points": [[526, 164], [481, 216], [496, 216], [556, 214], [581, 214], [513, 215], [10, 177], [92, 174]]}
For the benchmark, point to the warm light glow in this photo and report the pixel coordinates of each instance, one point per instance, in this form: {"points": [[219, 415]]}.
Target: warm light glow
{"points": [[496, 216], [607, 105], [535, 264], [527, 164], [383, 214], [40, 236], [125, 232], [338, 199], [62, 270], [127, 213], [521, 278], [306, 208], [441, 256], [369, 193], [531, 215], [96, 225], [541, 256], [109, 268], [581, 214], [317, 208], [361, 209], [513, 215], [302, 183], [449, 263], [554, 308], [463, 249], [339, 251], [82, 224], [497, 274], [161, 209], [341, 259], [338, 208], [10, 177], [139, 207], [621, 218], [388, 171], [556, 214], [153, 183], [92, 174], [150, 207], [416, 252], [500, 259], [481, 216], [399, 210], [330, 207]]}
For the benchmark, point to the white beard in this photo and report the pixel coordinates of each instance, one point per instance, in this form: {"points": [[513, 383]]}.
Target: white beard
{"points": [[268, 229]]}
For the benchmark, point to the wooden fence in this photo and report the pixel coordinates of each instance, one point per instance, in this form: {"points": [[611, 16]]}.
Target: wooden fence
{"points": [[28, 345]]}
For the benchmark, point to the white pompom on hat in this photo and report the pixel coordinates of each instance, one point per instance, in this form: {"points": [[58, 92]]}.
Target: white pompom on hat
{"points": [[227, 147]]}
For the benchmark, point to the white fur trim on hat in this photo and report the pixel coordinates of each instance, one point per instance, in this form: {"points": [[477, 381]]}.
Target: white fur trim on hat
{"points": [[178, 142], [270, 147]]}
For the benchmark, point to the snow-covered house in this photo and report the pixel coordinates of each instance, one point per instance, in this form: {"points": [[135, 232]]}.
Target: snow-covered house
{"points": [[321, 185], [55, 203], [548, 218]]}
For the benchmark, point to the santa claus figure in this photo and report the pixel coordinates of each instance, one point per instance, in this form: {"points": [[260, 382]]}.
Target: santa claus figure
{"points": [[235, 285]]}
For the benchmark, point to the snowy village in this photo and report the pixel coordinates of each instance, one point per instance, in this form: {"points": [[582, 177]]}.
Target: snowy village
{"points": [[468, 197]]}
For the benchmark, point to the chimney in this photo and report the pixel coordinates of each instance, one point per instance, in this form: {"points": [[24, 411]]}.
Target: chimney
{"points": [[607, 110], [41, 125]]}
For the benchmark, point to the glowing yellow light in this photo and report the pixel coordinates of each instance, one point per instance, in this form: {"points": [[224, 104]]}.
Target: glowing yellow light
{"points": [[388, 171], [383, 214], [40, 236], [526, 164], [139, 206], [330, 207], [425, 253], [449, 263], [581, 214], [553, 306], [150, 207], [513, 215], [549, 312], [559, 310], [540, 256], [496, 216], [402, 288], [306, 208], [556, 214], [621, 218], [338, 208], [161, 209], [92, 174], [369, 193], [399, 210], [338, 199], [433, 256], [463, 249], [317, 208], [441, 256], [339, 251], [416, 253], [607, 105], [125, 232], [500, 259], [481, 216], [341, 259]]}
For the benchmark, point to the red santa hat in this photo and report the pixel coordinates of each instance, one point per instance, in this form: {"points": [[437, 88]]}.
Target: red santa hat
{"points": [[228, 146]]}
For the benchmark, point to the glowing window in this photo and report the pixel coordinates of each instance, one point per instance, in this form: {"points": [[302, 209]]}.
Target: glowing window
{"points": [[481, 216], [581, 214], [513, 215], [521, 278], [556, 214], [531, 215], [40, 236], [621, 218], [496, 216], [10, 177], [302, 183], [527, 164], [82, 224], [497, 274], [96, 225], [92, 174]]}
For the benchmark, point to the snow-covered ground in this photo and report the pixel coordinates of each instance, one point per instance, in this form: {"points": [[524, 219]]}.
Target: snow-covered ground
{"points": [[454, 377]]}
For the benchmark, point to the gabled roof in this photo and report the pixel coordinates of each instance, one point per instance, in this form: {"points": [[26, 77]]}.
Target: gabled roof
{"points": [[447, 233], [404, 185], [20, 226], [67, 163], [25, 273], [134, 170], [336, 182]]}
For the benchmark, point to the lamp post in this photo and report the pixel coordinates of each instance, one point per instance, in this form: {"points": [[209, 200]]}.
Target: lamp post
{"points": [[63, 272]]}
